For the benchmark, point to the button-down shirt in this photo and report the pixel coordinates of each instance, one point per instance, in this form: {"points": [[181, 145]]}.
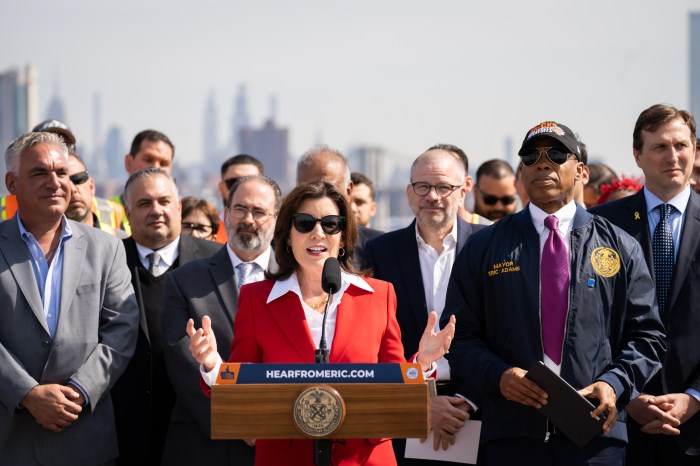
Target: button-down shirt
{"points": [[258, 273], [675, 221], [435, 269], [168, 255]]}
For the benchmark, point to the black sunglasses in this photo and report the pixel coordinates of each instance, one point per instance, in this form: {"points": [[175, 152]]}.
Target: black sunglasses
{"points": [[230, 182], [555, 155], [79, 178], [492, 200], [331, 224]]}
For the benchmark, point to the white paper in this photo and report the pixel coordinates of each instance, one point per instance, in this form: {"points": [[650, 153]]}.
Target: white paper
{"points": [[465, 449]]}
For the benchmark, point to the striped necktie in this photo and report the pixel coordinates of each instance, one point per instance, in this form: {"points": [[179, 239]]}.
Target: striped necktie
{"points": [[554, 290]]}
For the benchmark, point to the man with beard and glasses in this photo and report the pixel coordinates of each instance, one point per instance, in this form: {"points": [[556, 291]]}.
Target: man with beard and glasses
{"points": [[143, 397], [210, 287]]}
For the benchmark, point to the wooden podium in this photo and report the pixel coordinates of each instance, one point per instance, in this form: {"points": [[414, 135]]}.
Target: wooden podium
{"points": [[258, 400]]}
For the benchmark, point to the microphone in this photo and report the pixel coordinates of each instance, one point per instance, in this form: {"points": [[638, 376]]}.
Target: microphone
{"points": [[330, 282]]}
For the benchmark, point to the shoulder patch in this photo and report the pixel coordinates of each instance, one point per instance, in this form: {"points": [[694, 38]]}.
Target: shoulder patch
{"points": [[605, 261]]}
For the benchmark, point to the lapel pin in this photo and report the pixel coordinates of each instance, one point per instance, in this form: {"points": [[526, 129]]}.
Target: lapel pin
{"points": [[637, 216]]}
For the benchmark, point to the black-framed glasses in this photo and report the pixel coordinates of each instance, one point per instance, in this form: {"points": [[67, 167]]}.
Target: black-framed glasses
{"points": [[331, 224], [492, 200], [79, 178], [556, 155], [422, 188], [198, 227], [230, 182], [241, 211]]}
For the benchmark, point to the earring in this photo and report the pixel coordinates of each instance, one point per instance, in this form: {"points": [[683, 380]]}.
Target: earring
{"points": [[341, 252]]}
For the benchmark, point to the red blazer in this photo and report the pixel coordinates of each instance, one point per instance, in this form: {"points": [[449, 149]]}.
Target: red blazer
{"points": [[366, 331]]}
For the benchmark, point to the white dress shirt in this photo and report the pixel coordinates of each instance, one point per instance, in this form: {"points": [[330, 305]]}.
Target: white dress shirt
{"points": [[168, 254], [435, 268], [258, 273]]}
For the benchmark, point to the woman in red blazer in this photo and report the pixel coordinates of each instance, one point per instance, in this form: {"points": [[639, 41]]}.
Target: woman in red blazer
{"points": [[279, 319]]}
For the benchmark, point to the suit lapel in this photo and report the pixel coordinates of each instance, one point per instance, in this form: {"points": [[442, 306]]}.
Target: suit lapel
{"points": [[188, 249], [19, 260], [463, 232], [289, 315], [636, 223], [688, 245], [73, 260], [222, 273], [413, 279]]}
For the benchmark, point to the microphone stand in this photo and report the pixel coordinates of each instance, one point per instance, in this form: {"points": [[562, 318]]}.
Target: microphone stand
{"points": [[322, 447]]}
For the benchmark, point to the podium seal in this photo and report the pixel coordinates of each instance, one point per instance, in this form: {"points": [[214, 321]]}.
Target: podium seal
{"points": [[319, 411]]}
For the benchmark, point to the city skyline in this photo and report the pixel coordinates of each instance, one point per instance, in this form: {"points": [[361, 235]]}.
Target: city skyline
{"points": [[399, 75]]}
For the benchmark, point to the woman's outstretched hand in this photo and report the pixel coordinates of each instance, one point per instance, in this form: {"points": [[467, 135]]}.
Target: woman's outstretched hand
{"points": [[203, 343], [434, 345]]}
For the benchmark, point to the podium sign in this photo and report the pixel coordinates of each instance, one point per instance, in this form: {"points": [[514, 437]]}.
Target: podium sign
{"points": [[261, 401]]}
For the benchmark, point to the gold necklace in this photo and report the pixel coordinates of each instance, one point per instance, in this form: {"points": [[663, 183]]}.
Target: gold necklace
{"points": [[317, 306]]}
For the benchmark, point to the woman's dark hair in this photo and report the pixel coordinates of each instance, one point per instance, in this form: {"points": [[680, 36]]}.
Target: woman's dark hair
{"points": [[190, 204], [286, 262]]}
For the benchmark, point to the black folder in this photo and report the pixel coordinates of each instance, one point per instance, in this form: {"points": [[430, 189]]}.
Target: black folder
{"points": [[566, 408]]}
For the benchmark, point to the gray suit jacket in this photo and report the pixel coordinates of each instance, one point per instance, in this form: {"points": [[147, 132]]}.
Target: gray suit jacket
{"points": [[94, 340], [199, 288]]}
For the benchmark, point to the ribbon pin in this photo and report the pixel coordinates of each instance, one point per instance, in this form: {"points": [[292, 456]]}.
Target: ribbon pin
{"points": [[637, 216]]}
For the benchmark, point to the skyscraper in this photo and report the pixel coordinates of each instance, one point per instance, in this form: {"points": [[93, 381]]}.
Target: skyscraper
{"points": [[240, 120], [18, 107], [270, 145], [695, 64], [210, 147]]}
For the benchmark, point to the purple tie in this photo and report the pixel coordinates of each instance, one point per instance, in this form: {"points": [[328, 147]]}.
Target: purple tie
{"points": [[554, 289]]}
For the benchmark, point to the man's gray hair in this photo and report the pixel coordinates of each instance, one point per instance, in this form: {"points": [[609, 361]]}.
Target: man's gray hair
{"points": [[151, 172], [309, 158], [27, 141]]}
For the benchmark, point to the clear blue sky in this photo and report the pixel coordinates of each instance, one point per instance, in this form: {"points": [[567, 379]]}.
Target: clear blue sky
{"points": [[401, 74]]}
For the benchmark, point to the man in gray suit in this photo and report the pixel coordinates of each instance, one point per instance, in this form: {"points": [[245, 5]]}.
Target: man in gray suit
{"points": [[69, 318], [210, 287]]}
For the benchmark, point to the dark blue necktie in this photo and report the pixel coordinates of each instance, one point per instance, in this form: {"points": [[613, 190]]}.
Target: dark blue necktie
{"points": [[664, 258]]}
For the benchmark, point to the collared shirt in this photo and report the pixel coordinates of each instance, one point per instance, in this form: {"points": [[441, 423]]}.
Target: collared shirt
{"points": [[435, 270], [566, 216], [675, 220], [258, 273], [49, 277], [168, 255], [314, 318]]}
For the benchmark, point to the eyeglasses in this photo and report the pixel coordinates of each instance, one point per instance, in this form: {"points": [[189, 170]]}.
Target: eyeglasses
{"points": [[259, 215], [79, 178], [442, 190], [492, 200], [331, 224], [230, 182], [198, 227], [556, 155]]}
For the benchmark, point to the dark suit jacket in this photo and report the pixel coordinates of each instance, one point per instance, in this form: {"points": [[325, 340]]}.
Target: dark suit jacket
{"points": [[681, 367], [365, 331], [94, 340], [393, 257], [202, 287], [145, 377], [364, 234]]}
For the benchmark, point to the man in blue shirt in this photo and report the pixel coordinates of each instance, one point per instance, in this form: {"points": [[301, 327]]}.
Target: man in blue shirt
{"points": [[69, 317], [664, 217]]}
